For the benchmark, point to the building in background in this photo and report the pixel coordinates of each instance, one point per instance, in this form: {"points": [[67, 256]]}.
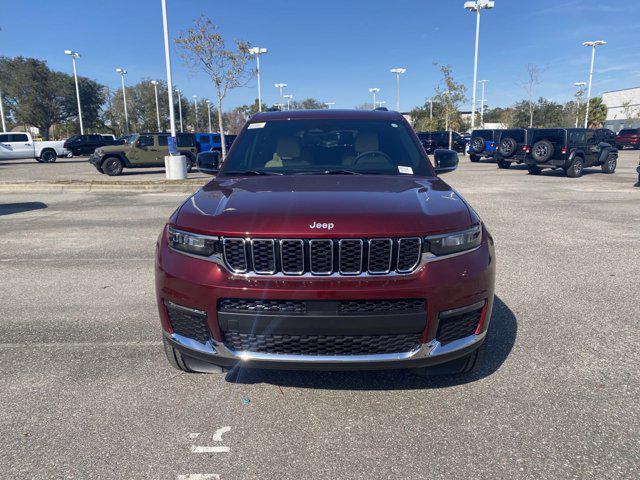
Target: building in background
{"points": [[623, 108]]}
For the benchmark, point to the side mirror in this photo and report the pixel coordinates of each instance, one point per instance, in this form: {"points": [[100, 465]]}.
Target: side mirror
{"points": [[208, 162], [445, 160]]}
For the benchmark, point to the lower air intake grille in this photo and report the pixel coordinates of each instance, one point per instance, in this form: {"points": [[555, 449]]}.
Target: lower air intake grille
{"points": [[460, 326], [188, 323], [322, 344], [381, 306], [257, 305]]}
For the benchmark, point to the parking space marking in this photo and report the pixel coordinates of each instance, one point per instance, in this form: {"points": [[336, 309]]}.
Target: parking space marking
{"points": [[209, 449], [217, 437], [199, 476]]}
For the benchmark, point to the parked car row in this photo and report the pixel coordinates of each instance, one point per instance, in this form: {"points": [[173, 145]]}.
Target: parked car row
{"points": [[569, 149], [431, 141]]}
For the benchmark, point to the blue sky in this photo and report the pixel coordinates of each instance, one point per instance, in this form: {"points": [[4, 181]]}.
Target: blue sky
{"points": [[335, 50]]}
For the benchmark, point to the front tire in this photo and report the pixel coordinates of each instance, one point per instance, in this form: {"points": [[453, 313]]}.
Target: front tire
{"points": [[112, 166], [610, 164], [474, 158], [575, 169], [174, 357], [48, 156], [503, 164], [189, 162]]}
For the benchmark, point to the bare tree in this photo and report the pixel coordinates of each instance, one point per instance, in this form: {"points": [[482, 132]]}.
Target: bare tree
{"points": [[534, 73], [203, 48]]}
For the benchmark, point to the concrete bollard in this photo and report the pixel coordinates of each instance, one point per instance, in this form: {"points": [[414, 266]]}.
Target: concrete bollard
{"points": [[175, 167]]}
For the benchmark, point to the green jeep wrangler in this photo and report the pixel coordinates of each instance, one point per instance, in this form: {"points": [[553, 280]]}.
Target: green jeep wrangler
{"points": [[142, 150]]}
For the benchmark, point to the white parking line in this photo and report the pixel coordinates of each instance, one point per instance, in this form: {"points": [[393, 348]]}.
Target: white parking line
{"points": [[217, 437], [205, 449], [199, 476]]}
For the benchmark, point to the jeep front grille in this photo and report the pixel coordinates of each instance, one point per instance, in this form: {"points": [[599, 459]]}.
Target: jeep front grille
{"points": [[318, 257]]}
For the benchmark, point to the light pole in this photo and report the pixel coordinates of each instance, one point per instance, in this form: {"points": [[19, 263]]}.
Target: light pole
{"points": [[482, 102], [175, 164], [329, 104], [195, 102], [398, 71], [593, 46], [373, 91], [4, 125], [208, 102], [122, 73], [74, 56], [179, 92], [257, 51], [280, 86], [288, 97], [476, 6], [579, 94], [431, 109], [155, 89]]}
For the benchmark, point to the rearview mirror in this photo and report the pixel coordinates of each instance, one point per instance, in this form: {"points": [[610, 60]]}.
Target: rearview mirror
{"points": [[445, 160], [208, 162]]}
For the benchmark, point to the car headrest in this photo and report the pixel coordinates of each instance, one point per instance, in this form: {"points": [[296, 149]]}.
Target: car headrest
{"points": [[288, 147], [367, 142]]}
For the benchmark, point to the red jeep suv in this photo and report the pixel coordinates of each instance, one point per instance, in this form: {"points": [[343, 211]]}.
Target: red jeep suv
{"points": [[326, 241]]}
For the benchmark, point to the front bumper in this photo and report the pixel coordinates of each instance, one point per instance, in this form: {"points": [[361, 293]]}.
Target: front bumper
{"points": [[445, 285], [426, 354]]}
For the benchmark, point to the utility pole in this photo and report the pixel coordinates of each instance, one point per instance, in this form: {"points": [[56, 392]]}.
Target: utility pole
{"points": [[75, 55], [257, 51]]}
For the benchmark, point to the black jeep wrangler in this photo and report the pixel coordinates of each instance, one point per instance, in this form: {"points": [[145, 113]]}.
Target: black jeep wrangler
{"points": [[571, 149], [431, 141], [511, 146]]}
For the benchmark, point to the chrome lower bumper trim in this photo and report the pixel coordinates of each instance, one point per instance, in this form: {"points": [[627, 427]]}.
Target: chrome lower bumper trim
{"points": [[432, 349]]}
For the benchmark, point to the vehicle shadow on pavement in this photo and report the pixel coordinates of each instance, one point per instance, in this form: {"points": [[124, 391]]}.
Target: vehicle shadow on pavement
{"points": [[11, 208], [500, 341]]}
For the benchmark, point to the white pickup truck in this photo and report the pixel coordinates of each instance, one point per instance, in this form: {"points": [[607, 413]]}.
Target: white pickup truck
{"points": [[22, 145]]}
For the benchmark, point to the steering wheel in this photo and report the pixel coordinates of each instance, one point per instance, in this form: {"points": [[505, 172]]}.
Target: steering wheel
{"points": [[372, 152]]}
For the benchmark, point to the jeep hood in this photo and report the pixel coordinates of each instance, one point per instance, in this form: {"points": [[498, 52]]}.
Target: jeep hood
{"points": [[357, 206]]}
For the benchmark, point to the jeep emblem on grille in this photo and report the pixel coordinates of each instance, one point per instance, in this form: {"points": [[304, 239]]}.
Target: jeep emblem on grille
{"points": [[324, 226]]}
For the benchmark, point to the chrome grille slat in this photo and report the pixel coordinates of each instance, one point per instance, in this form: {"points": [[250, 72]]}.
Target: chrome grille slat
{"points": [[322, 257], [380, 258], [235, 254], [292, 256], [350, 256], [263, 256]]}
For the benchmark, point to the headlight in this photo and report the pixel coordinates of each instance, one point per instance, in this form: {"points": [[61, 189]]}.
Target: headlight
{"points": [[455, 242], [193, 243]]}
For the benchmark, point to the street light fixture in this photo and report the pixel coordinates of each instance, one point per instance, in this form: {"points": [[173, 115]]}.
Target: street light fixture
{"points": [[179, 92], [593, 46], [398, 71], [208, 102], [373, 91], [483, 82], [579, 94], [122, 73], [476, 6], [155, 89], [195, 102], [74, 56], [280, 86], [257, 51], [288, 97]]}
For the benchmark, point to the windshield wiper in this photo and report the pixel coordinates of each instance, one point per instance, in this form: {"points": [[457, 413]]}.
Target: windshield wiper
{"points": [[330, 172], [252, 172]]}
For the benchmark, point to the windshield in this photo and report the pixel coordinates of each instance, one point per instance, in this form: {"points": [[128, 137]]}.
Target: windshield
{"points": [[628, 131], [327, 146]]}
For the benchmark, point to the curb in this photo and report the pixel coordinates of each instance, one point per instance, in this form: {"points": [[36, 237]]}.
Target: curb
{"points": [[92, 186]]}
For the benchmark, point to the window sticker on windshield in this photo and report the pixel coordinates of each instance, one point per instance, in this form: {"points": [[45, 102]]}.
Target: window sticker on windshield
{"points": [[403, 169], [256, 125]]}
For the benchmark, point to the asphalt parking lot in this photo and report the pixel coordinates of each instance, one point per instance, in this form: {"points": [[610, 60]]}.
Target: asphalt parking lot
{"points": [[87, 393]]}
